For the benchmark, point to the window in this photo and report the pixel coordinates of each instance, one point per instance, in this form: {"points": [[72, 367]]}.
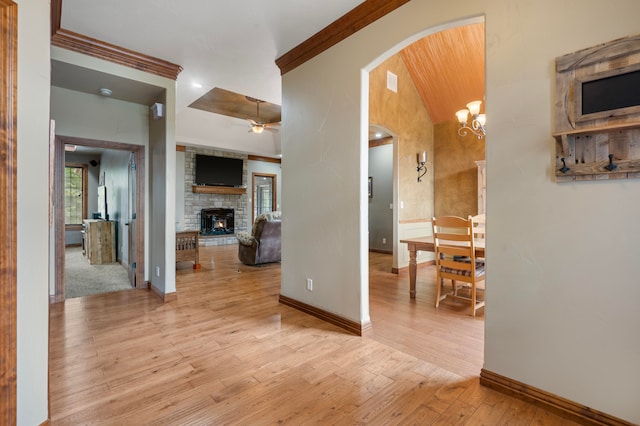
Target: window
{"points": [[75, 195]]}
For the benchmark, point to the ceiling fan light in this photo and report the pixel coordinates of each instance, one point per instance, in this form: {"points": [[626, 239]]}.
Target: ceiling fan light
{"points": [[257, 129]]}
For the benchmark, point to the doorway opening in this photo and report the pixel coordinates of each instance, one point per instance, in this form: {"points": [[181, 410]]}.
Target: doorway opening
{"points": [[399, 81], [382, 191], [110, 235], [264, 194], [411, 78]]}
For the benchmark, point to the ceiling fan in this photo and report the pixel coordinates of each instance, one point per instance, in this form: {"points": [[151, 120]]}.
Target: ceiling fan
{"points": [[256, 125]]}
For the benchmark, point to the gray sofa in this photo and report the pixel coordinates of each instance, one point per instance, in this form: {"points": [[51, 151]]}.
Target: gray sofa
{"points": [[262, 245]]}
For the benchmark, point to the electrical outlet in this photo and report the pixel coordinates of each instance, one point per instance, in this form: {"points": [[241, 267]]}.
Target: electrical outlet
{"points": [[157, 271], [309, 284], [384, 241]]}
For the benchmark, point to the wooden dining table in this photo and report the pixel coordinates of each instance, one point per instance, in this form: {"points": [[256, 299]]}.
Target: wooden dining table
{"points": [[427, 244]]}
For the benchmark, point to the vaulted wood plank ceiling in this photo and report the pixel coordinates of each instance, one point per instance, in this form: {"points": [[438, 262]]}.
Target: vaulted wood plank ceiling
{"points": [[447, 69]]}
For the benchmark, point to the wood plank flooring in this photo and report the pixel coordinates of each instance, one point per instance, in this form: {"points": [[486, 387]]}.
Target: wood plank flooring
{"points": [[226, 352]]}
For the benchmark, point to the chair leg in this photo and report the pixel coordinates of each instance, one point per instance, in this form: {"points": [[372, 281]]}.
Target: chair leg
{"points": [[473, 299], [439, 284]]}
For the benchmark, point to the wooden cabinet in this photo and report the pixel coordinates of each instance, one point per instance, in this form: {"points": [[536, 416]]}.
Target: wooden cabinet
{"points": [[99, 241]]}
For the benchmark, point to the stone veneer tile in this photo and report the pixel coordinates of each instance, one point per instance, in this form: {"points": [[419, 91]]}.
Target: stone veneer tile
{"points": [[196, 202]]}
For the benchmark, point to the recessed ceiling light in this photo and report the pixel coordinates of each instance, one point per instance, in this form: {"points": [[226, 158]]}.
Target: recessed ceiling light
{"points": [[105, 92], [196, 85], [378, 135]]}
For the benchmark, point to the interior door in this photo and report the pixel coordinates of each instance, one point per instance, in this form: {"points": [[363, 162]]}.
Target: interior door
{"points": [[131, 223]]}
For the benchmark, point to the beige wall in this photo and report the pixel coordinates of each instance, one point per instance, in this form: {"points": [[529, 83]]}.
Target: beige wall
{"points": [[93, 117], [562, 298], [455, 171], [561, 308], [404, 114], [32, 212]]}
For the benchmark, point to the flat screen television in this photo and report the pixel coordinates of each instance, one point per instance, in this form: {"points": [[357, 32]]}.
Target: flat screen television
{"points": [[218, 171]]}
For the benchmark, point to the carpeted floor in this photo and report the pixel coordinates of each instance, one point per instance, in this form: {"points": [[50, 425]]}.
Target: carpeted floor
{"points": [[83, 279]]}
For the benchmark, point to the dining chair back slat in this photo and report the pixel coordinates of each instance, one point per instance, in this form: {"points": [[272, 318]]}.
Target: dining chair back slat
{"points": [[456, 260]]}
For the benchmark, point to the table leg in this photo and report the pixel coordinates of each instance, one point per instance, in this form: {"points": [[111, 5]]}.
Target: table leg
{"points": [[413, 268]]}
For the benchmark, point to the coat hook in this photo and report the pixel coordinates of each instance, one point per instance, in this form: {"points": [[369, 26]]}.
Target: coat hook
{"points": [[611, 167], [564, 168]]}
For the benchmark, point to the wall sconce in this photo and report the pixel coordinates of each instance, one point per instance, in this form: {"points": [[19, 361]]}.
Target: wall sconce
{"points": [[477, 120], [422, 160]]}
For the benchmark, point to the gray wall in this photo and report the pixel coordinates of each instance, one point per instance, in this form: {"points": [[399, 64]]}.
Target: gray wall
{"points": [[380, 215], [180, 190], [115, 166]]}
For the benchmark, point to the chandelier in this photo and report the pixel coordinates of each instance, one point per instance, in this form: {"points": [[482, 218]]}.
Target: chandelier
{"points": [[477, 120]]}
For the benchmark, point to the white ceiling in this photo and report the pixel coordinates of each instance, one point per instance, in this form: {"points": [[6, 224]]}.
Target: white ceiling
{"points": [[228, 44]]}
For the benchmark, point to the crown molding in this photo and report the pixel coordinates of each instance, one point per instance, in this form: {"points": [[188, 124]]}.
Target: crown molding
{"points": [[56, 15], [350, 23], [109, 52], [265, 159]]}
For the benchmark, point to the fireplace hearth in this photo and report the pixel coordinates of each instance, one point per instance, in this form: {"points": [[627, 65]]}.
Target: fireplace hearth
{"points": [[216, 221]]}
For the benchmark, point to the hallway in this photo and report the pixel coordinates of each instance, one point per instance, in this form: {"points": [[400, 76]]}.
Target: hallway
{"points": [[226, 352]]}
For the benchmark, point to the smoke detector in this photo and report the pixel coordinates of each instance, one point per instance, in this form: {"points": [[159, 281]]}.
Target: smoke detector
{"points": [[105, 92]]}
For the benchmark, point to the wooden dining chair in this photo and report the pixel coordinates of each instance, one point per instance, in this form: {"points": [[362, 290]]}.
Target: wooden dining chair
{"points": [[478, 225], [456, 261]]}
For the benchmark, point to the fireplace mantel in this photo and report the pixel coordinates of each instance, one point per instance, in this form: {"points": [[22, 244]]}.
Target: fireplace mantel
{"points": [[225, 190]]}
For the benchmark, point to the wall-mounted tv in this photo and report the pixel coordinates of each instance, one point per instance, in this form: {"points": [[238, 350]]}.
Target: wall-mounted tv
{"points": [[611, 93], [218, 171]]}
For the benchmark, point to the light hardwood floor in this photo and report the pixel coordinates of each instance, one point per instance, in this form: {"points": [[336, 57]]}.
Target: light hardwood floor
{"points": [[226, 352]]}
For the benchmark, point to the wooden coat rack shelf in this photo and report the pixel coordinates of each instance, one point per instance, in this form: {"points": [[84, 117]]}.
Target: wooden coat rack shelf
{"points": [[597, 137], [567, 149]]}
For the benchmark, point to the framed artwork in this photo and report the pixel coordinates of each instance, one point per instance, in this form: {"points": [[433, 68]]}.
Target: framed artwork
{"points": [[370, 187]]}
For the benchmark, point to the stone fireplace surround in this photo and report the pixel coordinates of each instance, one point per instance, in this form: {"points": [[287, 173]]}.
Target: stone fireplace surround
{"points": [[195, 202]]}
